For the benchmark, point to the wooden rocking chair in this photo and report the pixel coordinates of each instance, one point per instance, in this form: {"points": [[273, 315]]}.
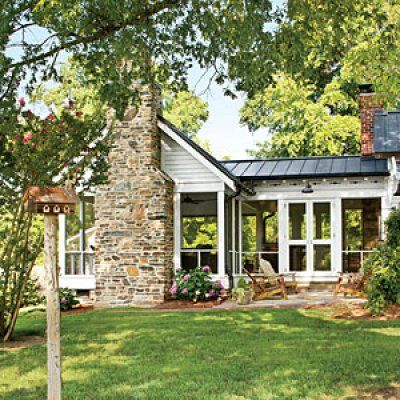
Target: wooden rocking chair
{"points": [[350, 284], [264, 287], [268, 272]]}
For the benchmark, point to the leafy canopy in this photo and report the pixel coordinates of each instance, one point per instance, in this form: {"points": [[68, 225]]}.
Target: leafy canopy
{"points": [[301, 124]]}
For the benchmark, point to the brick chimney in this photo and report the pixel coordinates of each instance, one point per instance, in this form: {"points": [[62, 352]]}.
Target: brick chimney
{"points": [[134, 212], [368, 104]]}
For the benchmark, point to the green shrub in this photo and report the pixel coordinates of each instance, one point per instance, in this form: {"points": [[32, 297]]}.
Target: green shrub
{"points": [[32, 294], [242, 284], [196, 284], [382, 269], [67, 299]]}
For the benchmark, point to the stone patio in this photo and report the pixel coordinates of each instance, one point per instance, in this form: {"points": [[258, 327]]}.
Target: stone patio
{"points": [[300, 300]]}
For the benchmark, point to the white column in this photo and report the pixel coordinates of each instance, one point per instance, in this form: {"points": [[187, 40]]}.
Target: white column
{"points": [[233, 247], [337, 242], [62, 237], [240, 236], [385, 211], [283, 237], [221, 233], [177, 231]]}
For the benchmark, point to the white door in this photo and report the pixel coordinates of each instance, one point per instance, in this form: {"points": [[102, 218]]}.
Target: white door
{"points": [[308, 243]]}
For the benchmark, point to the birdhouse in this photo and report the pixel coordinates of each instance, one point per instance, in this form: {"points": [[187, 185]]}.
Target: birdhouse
{"points": [[49, 200]]}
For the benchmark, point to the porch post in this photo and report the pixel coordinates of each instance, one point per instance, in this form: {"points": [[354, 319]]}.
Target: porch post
{"points": [[233, 237], [221, 233], [62, 237], [240, 236], [337, 242], [177, 231], [385, 211]]}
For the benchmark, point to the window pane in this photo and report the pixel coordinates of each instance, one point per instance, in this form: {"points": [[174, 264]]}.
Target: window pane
{"points": [[89, 224], [209, 258], [270, 227], [199, 232], [297, 221], [322, 257], [297, 258], [322, 220], [73, 227]]}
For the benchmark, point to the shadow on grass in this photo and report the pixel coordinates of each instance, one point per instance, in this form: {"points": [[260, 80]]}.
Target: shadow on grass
{"points": [[264, 354]]}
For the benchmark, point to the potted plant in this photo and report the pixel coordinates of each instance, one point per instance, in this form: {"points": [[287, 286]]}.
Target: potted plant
{"points": [[243, 293]]}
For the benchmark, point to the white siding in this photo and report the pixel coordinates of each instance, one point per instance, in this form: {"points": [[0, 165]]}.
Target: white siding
{"points": [[181, 166]]}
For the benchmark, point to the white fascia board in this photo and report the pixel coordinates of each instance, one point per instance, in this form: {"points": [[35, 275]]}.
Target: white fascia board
{"points": [[167, 130]]}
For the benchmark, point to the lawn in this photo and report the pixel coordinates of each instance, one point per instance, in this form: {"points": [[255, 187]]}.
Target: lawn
{"points": [[238, 355]]}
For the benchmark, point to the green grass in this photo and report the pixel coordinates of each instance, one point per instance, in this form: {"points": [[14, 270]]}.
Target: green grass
{"points": [[238, 355]]}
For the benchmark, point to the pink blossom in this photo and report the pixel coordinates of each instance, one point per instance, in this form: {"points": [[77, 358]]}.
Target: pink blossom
{"points": [[211, 293], [219, 299], [184, 291], [63, 299], [173, 289], [222, 291], [186, 277], [27, 137], [206, 268], [21, 102], [220, 285]]}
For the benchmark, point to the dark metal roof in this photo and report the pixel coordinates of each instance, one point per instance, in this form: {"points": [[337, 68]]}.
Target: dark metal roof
{"points": [[387, 132], [310, 167]]}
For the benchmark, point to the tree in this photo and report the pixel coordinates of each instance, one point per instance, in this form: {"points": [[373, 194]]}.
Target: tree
{"points": [[57, 150], [118, 43], [301, 124]]}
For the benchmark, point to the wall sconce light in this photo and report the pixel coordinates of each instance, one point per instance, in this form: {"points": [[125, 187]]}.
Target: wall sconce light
{"points": [[307, 188]]}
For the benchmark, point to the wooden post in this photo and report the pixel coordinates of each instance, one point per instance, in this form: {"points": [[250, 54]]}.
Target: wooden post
{"points": [[53, 308]]}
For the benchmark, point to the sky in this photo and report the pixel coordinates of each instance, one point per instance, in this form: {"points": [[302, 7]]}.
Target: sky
{"points": [[222, 129]]}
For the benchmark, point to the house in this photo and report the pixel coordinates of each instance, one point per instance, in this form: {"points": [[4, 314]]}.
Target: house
{"points": [[315, 216]]}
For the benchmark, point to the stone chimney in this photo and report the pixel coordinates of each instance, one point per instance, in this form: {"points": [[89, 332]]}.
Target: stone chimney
{"points": [[368, 104], [134, 212]]}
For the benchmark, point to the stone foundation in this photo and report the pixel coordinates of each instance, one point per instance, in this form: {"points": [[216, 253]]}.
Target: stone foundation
{"points": [[134, 214]]}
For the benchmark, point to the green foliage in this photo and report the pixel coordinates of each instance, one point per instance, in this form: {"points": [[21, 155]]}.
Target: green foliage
{"points": [[185, 110], [301, 124], [118, 42], [67, 299], [32, 294], [382, 269], [199, 231], [242, 284], [196, 284]]}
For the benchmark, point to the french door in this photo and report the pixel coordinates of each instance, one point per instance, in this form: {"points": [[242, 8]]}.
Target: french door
{"points": [[309, 236]]}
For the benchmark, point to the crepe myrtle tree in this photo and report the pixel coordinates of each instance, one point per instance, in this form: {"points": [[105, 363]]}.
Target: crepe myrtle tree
{"points": [[64, 149]]}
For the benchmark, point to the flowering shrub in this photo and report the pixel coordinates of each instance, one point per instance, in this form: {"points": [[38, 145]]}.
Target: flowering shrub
{"points": [[382, 269], [197, 284], [67, 299]]}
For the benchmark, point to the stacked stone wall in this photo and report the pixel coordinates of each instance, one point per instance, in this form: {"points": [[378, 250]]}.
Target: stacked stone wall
{"points": [[134, 213]]}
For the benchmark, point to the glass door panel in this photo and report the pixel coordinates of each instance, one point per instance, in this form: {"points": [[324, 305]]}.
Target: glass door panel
{"points": [[322, 257], [321, 236], [298, 226], [298, 258], [297, 221]]}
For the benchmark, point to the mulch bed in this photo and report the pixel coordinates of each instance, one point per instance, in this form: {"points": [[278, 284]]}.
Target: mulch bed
{"points": [[79, 309], [184, 304], [22, 342]]}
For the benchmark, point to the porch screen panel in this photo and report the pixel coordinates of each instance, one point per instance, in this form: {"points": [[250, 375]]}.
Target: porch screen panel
{"points": [[297, 258], [297, 221]]}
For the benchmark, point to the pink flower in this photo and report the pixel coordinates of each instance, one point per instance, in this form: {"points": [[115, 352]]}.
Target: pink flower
{"points": [[186, 277], [222, 291], [21, 102], [219, 299], [211, 293], [28, 137], [184, 291], [63, 300], [220, 285], [206, 268], [173, 289]]}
